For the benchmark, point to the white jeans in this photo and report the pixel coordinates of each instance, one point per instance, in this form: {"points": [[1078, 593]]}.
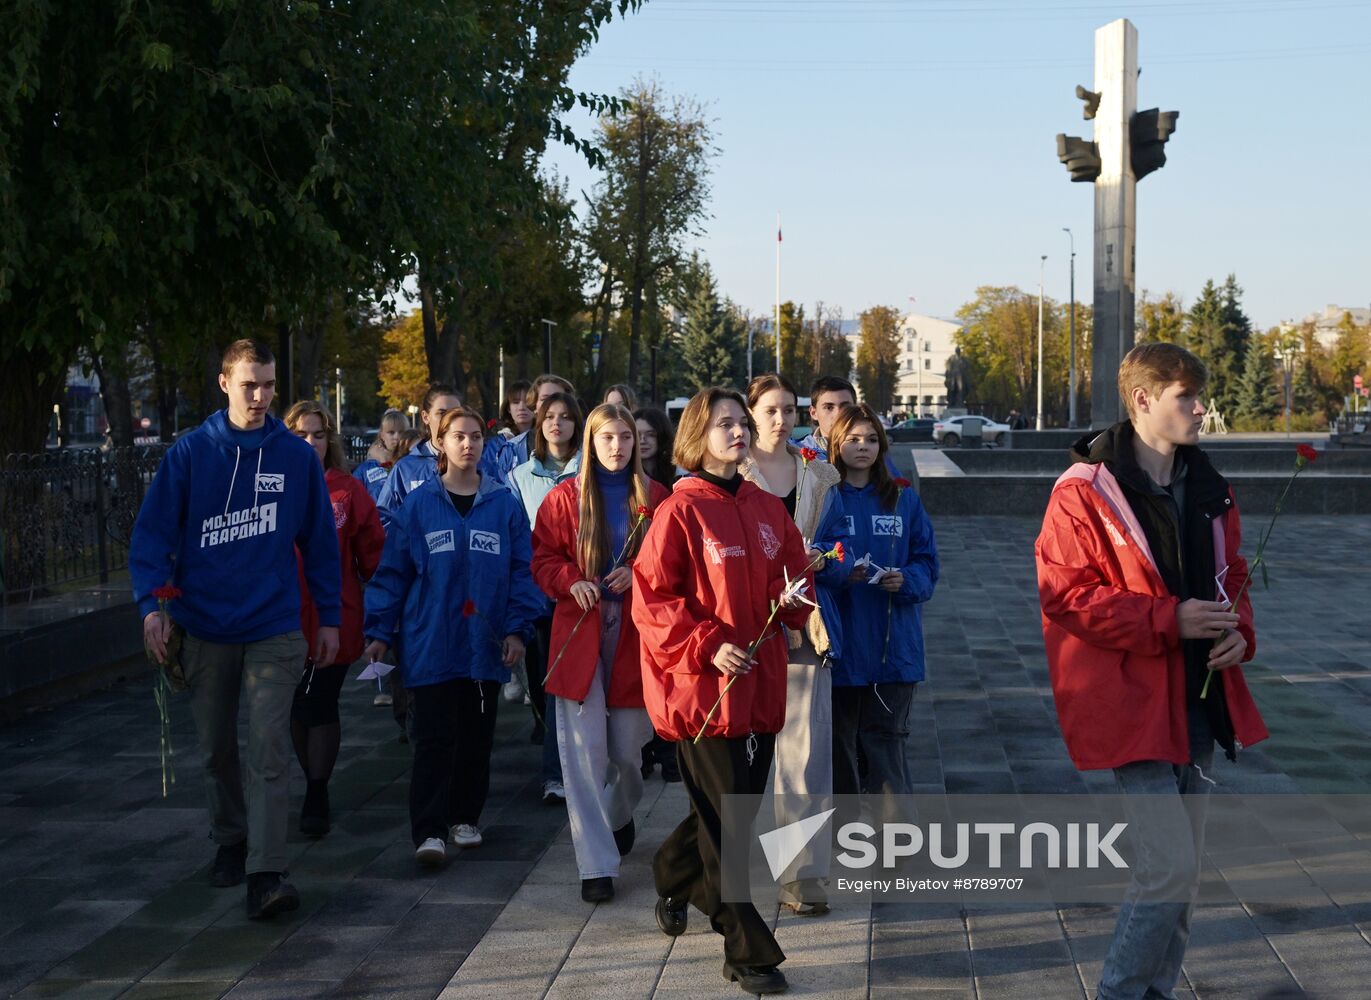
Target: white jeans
{"points": [[601, 751], [802, 778]]}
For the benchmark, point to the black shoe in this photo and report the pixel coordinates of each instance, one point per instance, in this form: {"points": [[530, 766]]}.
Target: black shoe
{"points": [[269, 894], [229, 862], [670, 772], [672, 915], [624, 836], [756, 979], [538, 735], [314, 820], [597, 890], [646, 771]]}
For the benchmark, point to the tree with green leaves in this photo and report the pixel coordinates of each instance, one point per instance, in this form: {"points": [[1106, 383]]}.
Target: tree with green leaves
{"points": [[194, 175], [1159, 320], [651, 197], [878, 356]]}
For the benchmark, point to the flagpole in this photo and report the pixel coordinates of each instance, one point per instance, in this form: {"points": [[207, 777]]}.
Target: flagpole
{"points": [[778, 293]]}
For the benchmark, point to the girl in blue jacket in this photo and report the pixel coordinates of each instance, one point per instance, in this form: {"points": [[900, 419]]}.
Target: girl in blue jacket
{"points": [[375, 468], [454, 592], [879, 644]]}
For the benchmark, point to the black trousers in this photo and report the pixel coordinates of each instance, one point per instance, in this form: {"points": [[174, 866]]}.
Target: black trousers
{"points": [[454, 730], [689, 864], [535, 667]]}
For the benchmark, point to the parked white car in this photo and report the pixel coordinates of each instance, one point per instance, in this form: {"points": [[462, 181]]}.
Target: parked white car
{"points": [[950, 431]]}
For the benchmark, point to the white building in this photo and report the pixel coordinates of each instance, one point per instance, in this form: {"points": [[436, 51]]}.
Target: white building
{"points": [[1326, 322], [926, 343]]}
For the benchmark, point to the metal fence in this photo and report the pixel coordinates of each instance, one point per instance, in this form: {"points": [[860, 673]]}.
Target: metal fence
{"points": [[66, 516]]}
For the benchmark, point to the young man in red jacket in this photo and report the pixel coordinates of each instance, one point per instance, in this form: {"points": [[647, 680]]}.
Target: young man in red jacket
{"points": [[1137, 563]]}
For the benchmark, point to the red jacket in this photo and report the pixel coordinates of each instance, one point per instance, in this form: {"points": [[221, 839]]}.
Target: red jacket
{"points": [[360, 540], [555, 569], [707, 573], [1109, 624]]}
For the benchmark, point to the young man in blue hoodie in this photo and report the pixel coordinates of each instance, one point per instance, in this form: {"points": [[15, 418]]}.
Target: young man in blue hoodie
{"points": [[229, 505]]}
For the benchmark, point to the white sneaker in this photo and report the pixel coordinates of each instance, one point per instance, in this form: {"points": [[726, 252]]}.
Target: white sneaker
{"points": [[382, 700], [553, 793], [431, 852], [466, 835], [514, 691]]}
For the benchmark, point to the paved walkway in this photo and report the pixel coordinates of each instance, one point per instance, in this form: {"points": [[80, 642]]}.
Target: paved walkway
{"points": [[103, 893]]}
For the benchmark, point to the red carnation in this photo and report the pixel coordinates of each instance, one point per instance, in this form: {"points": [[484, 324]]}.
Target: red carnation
{"points": [[490, 425], [468, 608], [902, 482], [167, 593], [842, 553], [1307, 452], [808, 454], [643, 511]]}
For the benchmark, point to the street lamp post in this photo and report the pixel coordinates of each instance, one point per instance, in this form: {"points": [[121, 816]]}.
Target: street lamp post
{"points": [[1042, 267], [547, 344], [1071, 376]]}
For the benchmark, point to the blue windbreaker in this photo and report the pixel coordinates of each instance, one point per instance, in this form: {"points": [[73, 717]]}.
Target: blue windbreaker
{"points": [[421, 465], [881, 638], [434, 561], [230, 518], [373, 476]]}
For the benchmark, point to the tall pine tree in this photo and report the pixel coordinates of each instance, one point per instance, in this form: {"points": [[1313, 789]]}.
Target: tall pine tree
{"points": [[1258, 393]]}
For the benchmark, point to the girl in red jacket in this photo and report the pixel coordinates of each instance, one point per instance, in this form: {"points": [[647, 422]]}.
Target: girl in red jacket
{"points": [[314, 726], [704, 584], [588, 531]]}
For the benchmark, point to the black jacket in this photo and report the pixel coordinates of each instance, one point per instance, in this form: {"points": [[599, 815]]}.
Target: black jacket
{"points": [[1182, 546]]}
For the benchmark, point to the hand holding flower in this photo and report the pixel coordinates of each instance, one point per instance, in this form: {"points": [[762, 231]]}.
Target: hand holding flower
{"points": [[585, 594], [512, 650], [733, 660], [618, 581], [892, 581], [1228, 652]]}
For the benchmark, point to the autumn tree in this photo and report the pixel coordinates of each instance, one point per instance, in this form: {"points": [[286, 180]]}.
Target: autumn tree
{"points": [[404, 369], [878, 356]]}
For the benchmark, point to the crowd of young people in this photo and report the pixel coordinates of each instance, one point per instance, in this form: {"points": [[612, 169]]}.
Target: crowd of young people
{"points": [[640, 574]]}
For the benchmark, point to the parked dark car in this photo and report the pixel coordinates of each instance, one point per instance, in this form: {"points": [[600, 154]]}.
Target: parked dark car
{"points": [[913, 429]]}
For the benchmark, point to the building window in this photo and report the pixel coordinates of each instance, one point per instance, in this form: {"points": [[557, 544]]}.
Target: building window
{"points": [[928, 401], [928, 364], [928, 345], [909, 365]]}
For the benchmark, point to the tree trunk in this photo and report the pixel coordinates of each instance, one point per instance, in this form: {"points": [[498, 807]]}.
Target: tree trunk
{"points": [[211, 364], [34, 381], [114, 392]]}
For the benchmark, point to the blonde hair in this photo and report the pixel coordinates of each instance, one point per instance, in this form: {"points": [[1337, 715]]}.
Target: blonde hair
{"points": [[592, 536], [449, 418], [1154, 367], [333, 453], [392, 419], [691, 433]]}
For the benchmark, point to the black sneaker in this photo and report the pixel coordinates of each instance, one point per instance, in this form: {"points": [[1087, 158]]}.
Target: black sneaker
{"points": [[672, 915], [229, 862], [624, 837], [597, 890], [269, 894], [314, 818], [670, 772], [756, 979]]}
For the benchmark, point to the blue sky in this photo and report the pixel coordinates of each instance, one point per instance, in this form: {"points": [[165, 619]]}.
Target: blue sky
{"points": [[909, 144]]}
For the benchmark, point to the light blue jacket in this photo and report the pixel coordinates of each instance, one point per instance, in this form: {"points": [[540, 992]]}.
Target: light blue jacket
{"points": [[532, 481], [434, 561], [881, 638]]}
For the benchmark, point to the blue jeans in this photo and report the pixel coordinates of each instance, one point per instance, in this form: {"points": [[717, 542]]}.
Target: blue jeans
{"points": [[1167, 828]]}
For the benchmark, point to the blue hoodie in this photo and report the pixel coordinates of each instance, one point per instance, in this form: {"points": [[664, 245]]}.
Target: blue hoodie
{"points": [[231, 517], [434, 561], [421, 465], [903, 540]]}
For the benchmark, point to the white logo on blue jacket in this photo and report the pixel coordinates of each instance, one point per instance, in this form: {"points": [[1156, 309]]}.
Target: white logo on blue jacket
{"points": [[375, 474], [271, 482], [887, 524], [440, 541], [485, 541]]}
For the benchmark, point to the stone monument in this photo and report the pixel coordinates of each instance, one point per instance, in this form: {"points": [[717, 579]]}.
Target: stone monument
{"points": [[1128, 145], [957, 378]]}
